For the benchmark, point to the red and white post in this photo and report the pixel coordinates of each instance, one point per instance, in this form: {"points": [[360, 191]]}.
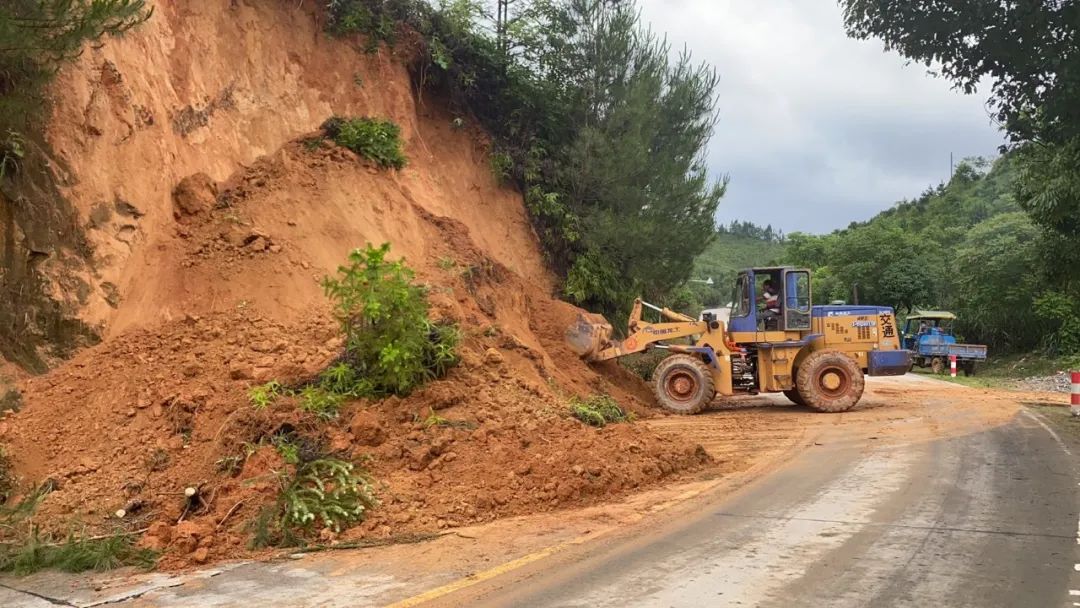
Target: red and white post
{"points": [[952, 365], [1075, 397]]}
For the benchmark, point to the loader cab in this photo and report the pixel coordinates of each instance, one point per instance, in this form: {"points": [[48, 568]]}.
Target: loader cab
{"points": [[794, 288]]}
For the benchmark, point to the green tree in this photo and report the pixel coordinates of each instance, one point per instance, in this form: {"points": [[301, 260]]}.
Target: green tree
{"points": [[995, 282], [1030, 51]]}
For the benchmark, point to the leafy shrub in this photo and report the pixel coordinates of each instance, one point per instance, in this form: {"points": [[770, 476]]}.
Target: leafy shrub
{"points": [[378, 140], [502, 166], [390, 344], [375, 20], [327, 491], [598, 411]]}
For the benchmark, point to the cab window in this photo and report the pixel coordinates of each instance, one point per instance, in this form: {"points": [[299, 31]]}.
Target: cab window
{"points": [[797, 300], [740, 306]]}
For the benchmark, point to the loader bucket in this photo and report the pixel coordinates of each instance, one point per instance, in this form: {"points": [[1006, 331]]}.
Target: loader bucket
{"points": [[589, 335]]}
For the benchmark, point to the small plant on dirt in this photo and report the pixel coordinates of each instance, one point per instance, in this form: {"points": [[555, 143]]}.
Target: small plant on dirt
{"points": [[12, 151], [434, 419], [377, 21], [265, 394], [230, 465], [598, 411], [328, 491], [378, 140], [447, 263], [75, 554], [502, 166], [158, 460], [313, 143], [321, 402], [8, 482], [11, 400], [24, 549], [358, 79], [390, 343]]}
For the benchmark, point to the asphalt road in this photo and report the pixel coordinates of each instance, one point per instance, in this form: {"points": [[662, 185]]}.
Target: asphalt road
{"points": [[988, 519]]}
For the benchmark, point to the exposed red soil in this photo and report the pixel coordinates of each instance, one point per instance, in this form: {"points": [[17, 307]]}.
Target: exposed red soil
{"points": [[131, 423]]}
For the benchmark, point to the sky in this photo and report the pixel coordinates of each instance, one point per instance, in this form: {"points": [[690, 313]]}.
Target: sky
{"points": [[818, 130]]}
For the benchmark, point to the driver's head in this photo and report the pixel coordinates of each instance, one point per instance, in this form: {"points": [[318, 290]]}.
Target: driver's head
{"points": [[768, 285]]}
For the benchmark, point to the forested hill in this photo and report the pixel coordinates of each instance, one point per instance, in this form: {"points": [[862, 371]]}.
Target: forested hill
{"points": [[964, 246], [737, 246]]}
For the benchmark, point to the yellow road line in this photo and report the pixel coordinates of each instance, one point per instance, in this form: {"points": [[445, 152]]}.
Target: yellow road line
{"points": [[480, 577]]}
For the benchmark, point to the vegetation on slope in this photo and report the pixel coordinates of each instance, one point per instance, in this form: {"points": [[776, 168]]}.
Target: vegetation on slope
{"points": [[966, 247], [736, 247], [593, 119]]}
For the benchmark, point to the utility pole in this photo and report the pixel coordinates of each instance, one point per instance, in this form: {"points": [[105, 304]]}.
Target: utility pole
{"points": [[951, 169]]}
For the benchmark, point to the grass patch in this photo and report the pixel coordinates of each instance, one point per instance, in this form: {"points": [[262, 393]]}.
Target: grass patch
{"points": [[372, 138], [75, 554], [598, 411], [433, 419], [25, 550]]}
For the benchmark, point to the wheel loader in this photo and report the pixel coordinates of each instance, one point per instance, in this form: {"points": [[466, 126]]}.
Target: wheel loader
{"points": [[816, 355]]}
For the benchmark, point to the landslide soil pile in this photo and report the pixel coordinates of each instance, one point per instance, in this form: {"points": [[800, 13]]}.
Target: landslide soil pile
{"points": [[213, 287]]}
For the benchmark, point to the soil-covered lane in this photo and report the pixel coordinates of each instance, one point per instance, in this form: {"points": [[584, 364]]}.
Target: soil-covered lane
{"points": [[987, 518], [764, 447]]}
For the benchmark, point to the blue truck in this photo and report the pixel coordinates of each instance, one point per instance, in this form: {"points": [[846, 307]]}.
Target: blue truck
{"points": [[929, 337]]}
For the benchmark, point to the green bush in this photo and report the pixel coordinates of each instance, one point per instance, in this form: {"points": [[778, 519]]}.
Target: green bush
{"points": [[598, 411], [391, 346], [327, 491], [378, 140]]}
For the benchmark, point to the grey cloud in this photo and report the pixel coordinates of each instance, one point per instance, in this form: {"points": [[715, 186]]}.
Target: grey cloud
{"points": [[817, 130]]}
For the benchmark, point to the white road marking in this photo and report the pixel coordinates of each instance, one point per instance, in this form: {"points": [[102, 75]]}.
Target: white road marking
{"points": [[1048, 430]]}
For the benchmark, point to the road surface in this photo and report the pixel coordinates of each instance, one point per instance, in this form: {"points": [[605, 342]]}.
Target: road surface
{"points": [[927, 495], [988, 519]]}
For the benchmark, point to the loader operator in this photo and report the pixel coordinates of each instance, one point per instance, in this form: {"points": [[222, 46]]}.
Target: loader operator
{"points": [[770, 299]]}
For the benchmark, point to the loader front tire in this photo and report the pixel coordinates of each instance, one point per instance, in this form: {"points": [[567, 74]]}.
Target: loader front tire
{"points": [[683, 384], [830, 381]]}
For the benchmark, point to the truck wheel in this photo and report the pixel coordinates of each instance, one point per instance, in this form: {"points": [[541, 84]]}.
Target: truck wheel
{"points": [[937, 365], [829, 381], [683, 384], [793, 395], [969, 368]]}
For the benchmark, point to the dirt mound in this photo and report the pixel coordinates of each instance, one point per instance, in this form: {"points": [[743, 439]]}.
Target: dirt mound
{"points": [[214, 212], [132, 423]]}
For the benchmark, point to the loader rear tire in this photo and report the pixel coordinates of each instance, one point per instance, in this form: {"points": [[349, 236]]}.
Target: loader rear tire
{"points": [[830, 381], [794, 396], [683, 384]]}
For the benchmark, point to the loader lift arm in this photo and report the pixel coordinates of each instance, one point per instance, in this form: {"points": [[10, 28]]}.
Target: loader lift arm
{"points": [[591, 336]]}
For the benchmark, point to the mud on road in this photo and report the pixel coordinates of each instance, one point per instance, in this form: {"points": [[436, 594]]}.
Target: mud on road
{"points": [[749, 438]]}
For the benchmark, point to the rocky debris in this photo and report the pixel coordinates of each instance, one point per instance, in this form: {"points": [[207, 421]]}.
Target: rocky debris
{"points": [[1058, 383], [194, 194]]}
